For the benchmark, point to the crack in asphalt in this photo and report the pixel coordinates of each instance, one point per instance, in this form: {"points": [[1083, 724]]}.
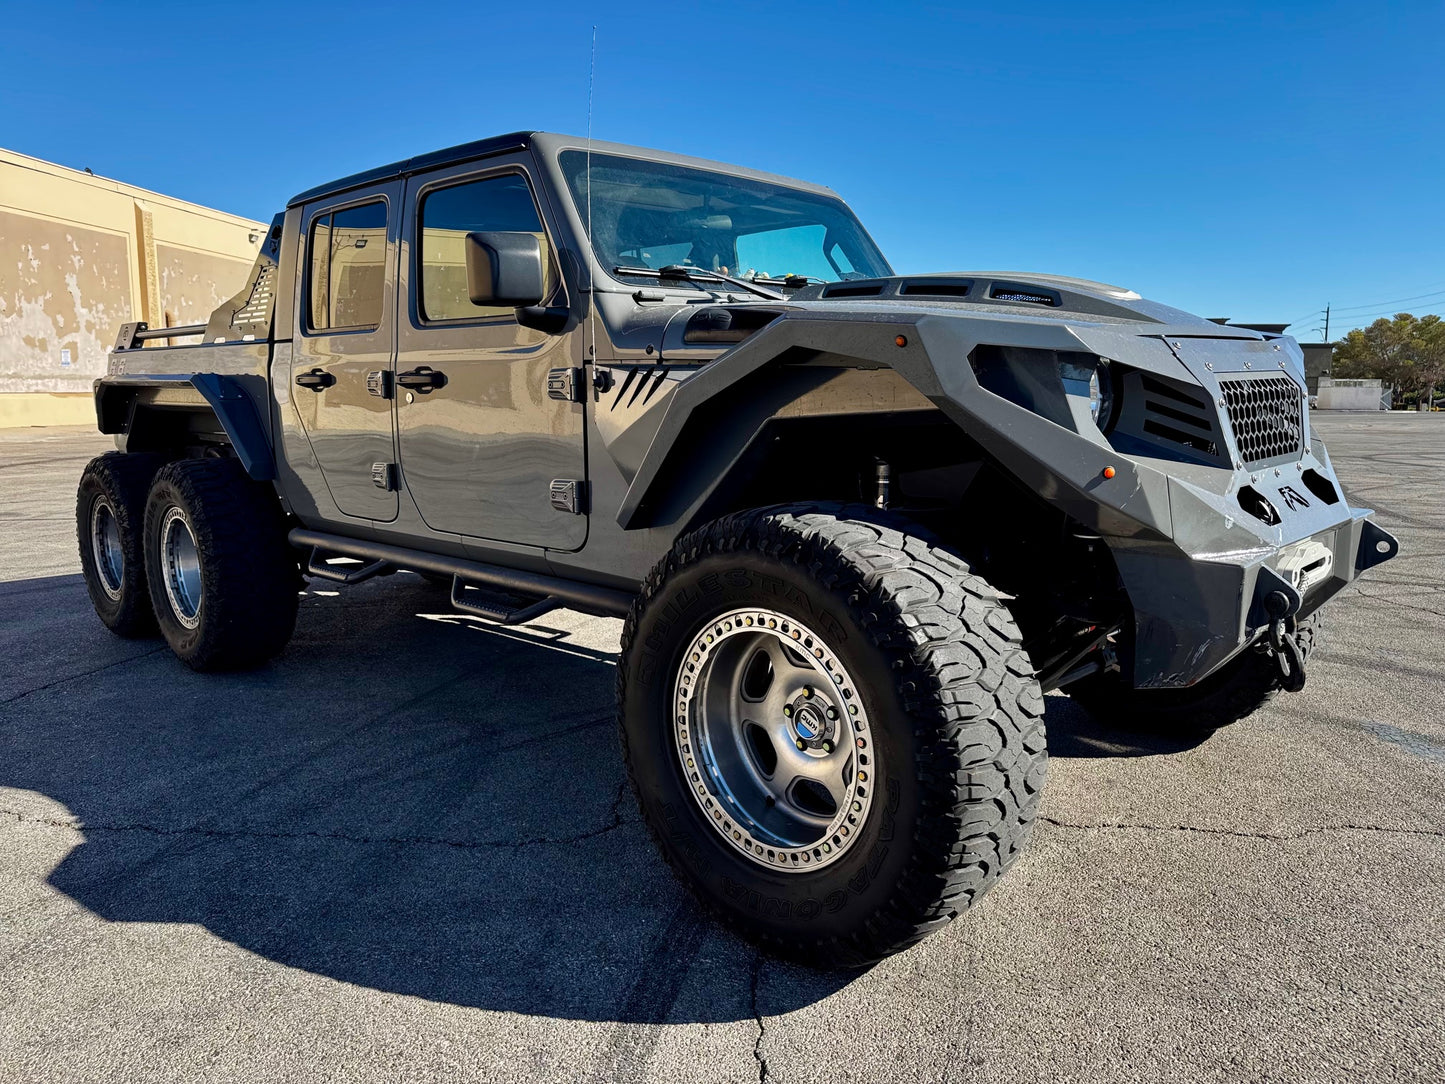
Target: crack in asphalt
{"points": [[86, 674], [1273, 837], [1398, 602], [762, 1061], [615, 822], [588, 723]]}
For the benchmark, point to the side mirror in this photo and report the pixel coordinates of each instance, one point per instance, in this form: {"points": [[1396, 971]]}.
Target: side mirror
{"points": [[504, 269]]}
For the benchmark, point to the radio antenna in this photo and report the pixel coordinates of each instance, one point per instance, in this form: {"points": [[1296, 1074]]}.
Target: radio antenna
{"points": [[592, 250]]}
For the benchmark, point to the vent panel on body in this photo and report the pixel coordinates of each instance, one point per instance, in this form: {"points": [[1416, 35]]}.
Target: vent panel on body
{"points": [[1179, 415]]}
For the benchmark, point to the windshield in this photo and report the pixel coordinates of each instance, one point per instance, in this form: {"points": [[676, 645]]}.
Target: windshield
{"points": [[653, 215]]}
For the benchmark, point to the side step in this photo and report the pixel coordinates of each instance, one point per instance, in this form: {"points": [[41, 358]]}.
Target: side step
{"points": [[505, 609], [319, 565], [508, 595]]}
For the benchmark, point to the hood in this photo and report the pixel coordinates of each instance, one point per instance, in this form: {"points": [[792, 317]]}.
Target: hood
{"points": [[701, 328]]}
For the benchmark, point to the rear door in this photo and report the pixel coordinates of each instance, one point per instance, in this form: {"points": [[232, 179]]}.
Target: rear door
{"points": [[483, 445], [343, 347]]}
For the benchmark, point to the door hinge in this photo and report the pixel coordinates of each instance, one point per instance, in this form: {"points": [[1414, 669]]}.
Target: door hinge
{"points": [[378, 383], [565, 384], [383, 476], [569, 495]]}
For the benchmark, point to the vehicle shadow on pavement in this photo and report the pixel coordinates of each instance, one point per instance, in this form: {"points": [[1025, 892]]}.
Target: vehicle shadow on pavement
{"points": [[401, 803], [1074, 733]]}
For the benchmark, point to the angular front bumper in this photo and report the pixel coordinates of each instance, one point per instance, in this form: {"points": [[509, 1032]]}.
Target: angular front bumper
{"points": [[1193, 613]]}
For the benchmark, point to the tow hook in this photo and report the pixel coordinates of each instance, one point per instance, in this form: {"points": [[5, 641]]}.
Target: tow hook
{"points": [[1283, 642]]}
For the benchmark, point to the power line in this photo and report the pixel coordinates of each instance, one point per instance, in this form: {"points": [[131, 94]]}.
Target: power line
{"points": [[1307, 316], [1397, 301], [1362, 319]]}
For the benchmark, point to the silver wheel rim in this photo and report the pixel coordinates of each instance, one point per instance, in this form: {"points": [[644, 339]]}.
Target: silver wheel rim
{"points": [[774, 740], [106, 548], [181, 567]]}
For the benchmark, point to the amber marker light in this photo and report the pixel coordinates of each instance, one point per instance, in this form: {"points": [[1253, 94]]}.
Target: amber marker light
{"points": [[902, 340], [1109, 472]]}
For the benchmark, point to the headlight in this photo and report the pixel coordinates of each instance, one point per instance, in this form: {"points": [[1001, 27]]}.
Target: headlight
{"points": [[1101, 395], [1091, 378]]}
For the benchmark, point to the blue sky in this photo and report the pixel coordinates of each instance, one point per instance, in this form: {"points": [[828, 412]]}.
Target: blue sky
{"points": [[1246, 161]]}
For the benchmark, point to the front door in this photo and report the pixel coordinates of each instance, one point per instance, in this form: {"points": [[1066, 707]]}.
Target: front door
{"points": [[341, 361], [481, 441]]}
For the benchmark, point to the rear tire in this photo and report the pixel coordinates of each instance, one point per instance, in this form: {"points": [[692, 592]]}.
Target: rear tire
{"points": [[109, 520], [1240, 688], [918, 801], [223, 578]]}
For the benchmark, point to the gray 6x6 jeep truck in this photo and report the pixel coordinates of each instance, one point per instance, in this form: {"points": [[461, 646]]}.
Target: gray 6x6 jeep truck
{"points": [[857, 522]]}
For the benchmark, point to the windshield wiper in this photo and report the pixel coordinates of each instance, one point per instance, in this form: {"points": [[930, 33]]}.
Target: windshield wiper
{"points": [[698, 274]]}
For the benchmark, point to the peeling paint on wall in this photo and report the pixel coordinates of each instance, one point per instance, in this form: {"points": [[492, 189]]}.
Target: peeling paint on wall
{"points": [[192, 284], [62, 287], [80, 255]]}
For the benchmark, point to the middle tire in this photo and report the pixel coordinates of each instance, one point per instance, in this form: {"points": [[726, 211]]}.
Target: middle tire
{"points": [[833, 732], [223, 578]]}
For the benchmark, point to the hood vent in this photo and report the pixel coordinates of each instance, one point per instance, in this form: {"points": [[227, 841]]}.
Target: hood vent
{"points": [[941, 288], [850, 289], [1029, 295]]}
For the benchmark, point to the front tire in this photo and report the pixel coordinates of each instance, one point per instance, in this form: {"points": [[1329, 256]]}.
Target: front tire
{"points": [[109, 518], [223, 579], [831, 728]]}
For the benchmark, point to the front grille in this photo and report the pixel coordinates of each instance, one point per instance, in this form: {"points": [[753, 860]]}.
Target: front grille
{"points": [[1265, 414]]}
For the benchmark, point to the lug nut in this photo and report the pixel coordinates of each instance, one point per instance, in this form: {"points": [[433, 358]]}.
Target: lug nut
{"points": [[788, 710], [808, 690], [832, 712], [801, 744], [827, 747]]}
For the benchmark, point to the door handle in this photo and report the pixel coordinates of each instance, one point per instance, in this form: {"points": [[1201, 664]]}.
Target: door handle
{"points": [[316, 379], [422, 378]]}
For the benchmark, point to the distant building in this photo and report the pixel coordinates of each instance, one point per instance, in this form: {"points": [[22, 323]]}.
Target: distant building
{"points": [[1352, 395], [79, 256], [1318, 356]]}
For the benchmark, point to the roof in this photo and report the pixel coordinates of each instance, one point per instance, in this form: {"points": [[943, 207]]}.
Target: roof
{"points": [[547, 142]]}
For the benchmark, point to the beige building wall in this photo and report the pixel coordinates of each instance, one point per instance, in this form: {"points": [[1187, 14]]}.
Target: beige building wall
{"points": [[81, 255]]}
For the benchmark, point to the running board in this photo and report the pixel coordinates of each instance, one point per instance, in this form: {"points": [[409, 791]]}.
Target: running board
{"points": [[551, 591]]}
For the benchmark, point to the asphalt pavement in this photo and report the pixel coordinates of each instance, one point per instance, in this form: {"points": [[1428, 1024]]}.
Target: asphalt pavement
{"points": [[404, 852]]}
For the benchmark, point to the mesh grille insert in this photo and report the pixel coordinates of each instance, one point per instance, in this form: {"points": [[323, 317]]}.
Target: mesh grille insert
{"points": [[1265, 415]]}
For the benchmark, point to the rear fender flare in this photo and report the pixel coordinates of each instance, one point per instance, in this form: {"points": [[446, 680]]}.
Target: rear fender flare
{"points": [[116, 399]]}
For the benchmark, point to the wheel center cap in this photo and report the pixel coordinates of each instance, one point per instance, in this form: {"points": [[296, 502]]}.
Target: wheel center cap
{"points": [[808, 723]]}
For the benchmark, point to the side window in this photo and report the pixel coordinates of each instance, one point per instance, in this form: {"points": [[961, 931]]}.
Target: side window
{"points": [[347, 278], [502, 203]]}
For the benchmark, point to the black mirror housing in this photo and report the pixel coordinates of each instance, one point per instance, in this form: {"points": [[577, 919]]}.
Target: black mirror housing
{"points": [[504, 269]]}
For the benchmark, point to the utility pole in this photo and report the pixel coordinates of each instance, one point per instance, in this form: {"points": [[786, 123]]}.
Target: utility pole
{"points": [[1327, 321]]}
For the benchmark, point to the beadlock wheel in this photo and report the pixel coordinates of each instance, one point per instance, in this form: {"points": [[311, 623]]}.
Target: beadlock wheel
{"points": [[826, 834], [107, 548], [773, 739], [181, 567], [223, 579]]}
